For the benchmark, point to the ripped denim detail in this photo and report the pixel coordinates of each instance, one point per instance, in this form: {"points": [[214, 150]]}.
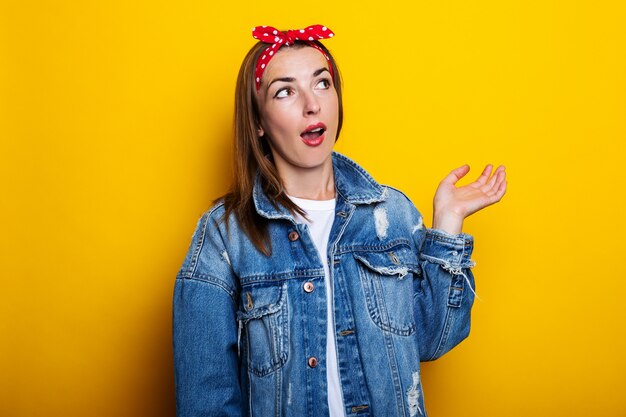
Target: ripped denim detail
{"points": [[454, 269], [459, 271], [413, 395]]}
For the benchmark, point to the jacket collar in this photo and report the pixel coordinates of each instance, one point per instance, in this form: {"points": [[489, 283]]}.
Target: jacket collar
{"points": [[352, 183]]}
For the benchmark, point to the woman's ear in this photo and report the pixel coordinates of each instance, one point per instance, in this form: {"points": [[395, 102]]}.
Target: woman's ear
{"points": [[260, 132]]}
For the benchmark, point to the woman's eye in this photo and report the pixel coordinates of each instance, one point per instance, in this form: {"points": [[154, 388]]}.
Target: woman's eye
{"points": [[323, 83], [282, 93]]}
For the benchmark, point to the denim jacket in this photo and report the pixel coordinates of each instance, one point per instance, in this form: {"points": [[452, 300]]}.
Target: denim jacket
{"points": [[250, 330]]}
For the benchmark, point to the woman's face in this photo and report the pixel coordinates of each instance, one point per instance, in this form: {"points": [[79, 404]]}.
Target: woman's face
{"points": [[298, 105]]}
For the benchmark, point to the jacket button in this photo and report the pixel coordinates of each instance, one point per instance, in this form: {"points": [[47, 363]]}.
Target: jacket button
{"points": [[312, 361], [308, 286], [394, 258], [293, 235]]}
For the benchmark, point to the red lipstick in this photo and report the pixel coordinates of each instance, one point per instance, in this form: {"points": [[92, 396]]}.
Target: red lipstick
{"points": [[314, 135]]}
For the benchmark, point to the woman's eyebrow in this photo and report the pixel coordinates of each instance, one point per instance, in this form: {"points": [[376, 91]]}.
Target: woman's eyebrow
{"points": [[319, 71], [283, 79], [292, 79]]}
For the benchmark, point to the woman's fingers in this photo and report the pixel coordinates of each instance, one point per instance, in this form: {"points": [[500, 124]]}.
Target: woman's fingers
{"points": [[485, 175], [501, 190], [499, 185], [494, 181], [492, 184], [456, 174]]}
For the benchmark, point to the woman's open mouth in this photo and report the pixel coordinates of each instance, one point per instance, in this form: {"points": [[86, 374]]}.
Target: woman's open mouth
{"points": [[314, 134]]}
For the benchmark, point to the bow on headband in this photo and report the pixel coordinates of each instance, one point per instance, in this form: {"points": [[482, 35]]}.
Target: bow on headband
{"points": [[277, 39]]}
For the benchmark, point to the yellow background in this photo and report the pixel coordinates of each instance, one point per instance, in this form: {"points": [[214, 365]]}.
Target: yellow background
{"points": [[115, 137]]}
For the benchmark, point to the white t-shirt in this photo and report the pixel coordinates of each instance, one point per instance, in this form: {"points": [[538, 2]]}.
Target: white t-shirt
{"points": [[321, 214]]}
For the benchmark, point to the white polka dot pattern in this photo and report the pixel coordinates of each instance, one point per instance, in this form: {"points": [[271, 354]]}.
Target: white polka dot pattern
{"points": [[277, 38]]}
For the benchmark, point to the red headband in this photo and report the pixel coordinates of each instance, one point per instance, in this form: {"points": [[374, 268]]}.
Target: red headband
{"points": [[277, 38]]}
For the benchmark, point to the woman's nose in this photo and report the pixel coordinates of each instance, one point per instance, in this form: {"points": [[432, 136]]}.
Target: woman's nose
{"points": [[311, 104]]}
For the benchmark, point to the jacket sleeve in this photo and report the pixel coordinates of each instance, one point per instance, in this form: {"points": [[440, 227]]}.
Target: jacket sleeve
{"points": [[205, 331], [446, 291]]}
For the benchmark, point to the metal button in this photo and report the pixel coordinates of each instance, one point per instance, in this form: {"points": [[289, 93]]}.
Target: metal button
{"points": [[342, 214], [293, 235], [309, 286], [394, 258], [312, 361]]}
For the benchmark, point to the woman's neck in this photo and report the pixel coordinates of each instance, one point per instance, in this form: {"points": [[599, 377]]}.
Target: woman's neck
{"points": [[309, 183]]}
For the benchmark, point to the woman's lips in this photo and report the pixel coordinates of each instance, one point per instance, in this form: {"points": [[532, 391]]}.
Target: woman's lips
{"points": [[314, 134], [313, 141]]}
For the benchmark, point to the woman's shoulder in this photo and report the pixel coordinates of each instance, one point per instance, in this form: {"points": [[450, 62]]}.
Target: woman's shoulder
{"points": [[399, 206], [396, 196], [392, 192], [210, 220], [216, 209], [207, 258], [216, 212]]}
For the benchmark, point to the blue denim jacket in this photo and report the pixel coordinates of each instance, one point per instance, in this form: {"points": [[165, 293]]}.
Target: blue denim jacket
{"points": [[250, 330]]}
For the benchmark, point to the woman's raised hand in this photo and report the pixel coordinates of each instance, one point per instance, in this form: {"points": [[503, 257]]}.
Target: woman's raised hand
{"points": [[453, 204]]}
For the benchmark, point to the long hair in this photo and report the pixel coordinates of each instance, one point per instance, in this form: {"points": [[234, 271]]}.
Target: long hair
{"points": [[252, 154]]}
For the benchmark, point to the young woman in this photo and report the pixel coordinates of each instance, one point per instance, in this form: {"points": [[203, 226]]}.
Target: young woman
{"points": [[310, 289]]}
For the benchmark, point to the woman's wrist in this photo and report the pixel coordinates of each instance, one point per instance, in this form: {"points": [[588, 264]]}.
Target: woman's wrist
{"points": [[448, 222]]}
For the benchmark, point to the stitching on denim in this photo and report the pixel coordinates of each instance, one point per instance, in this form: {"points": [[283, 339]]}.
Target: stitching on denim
{"points": [[373, 248], [394, 371], [280, 310], [458, 241], [444, 334], [212, 281], [363, 198], [280, 276], [198, 248], [378, 312], [208, 279], [447, 264]]}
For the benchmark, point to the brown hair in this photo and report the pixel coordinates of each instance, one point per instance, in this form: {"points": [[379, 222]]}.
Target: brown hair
{"points": [[252, 154]]}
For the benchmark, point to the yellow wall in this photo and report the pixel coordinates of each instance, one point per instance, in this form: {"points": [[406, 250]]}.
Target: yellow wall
{"points": [[114, 127]]}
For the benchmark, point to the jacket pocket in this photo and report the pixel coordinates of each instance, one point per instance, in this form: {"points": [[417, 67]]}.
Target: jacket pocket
{"points": [[389, 279], [265, 320]]}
